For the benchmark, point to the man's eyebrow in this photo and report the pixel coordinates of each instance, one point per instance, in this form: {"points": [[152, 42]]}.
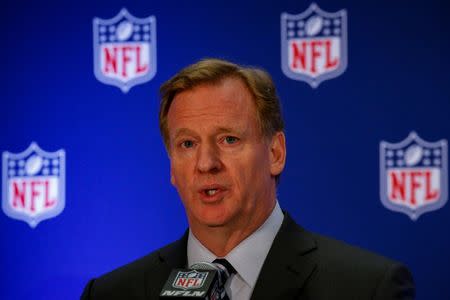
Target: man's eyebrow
{"points": [[228, 130], [225, 129], [186, 131], [183, 131]]}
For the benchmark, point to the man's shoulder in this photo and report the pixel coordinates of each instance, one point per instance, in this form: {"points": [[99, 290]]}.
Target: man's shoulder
{"points": [[356, 271], [340, 254], [335, 253], [344, 269]]}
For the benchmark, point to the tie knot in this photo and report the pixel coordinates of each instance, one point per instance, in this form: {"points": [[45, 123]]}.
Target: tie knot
{"points": [[226, 265]]}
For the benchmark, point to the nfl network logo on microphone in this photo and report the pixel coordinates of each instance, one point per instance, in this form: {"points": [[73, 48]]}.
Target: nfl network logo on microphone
{"points": [[124, 50], [189, 280], [413, 175], [187, 284], [33, 184], [314, 45]]}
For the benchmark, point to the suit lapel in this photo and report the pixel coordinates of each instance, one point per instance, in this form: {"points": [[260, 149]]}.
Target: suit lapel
{"points": [[288, 265], [170, 257], [175, 254]]}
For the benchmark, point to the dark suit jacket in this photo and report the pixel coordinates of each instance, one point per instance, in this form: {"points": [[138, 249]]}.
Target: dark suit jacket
{"points": [[300, 265]]}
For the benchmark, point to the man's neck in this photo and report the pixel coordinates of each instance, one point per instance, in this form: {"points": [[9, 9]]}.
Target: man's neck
{"points": [[220, 240]]}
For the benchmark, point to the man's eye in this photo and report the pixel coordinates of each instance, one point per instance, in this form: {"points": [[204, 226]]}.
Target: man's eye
{"points": [[187, 144], [231, 139]]}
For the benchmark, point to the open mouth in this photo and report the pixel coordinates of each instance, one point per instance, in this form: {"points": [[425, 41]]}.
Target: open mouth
{"points": [[211, 192]]}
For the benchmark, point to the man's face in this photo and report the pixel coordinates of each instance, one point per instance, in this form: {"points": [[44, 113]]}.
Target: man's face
{"points": [[221, 165]]}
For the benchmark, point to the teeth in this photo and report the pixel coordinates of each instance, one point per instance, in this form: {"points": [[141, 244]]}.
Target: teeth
{"points": [[211, 192]]}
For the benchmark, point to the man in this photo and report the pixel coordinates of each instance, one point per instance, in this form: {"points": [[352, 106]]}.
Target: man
{"points": [[222, 127]]}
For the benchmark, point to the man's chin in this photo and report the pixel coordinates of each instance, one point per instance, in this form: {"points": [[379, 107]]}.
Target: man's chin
{"points": [[215, 221], [215, 225], [211, 218]]}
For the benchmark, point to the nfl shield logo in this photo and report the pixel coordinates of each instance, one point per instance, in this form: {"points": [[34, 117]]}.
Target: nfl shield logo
{"points": [[189, 280], [125, 50], [413, 175], [33, 184], [314, 45]]}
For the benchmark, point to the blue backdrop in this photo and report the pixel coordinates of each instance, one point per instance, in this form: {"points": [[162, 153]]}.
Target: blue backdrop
{"points": [[119, 201]]}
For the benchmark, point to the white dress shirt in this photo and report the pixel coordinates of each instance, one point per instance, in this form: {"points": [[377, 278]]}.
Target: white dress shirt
{"points": [[247, 257]]}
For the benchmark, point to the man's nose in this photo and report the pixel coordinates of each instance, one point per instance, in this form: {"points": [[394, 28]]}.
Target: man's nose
{"points": [[208, 159]]}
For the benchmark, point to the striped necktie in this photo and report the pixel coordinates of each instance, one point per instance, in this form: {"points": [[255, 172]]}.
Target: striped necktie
{"points": [[229, 270]]}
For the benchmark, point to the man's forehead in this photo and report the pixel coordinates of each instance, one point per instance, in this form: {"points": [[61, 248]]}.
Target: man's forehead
{"points": [[225, 107]]}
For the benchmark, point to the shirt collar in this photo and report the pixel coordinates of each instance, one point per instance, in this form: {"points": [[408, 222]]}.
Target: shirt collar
{"points": [[247, 257]]}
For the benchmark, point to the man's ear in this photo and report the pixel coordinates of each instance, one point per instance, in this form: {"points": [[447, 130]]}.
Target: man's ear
{"points": [[277, 153], [172, 178]]}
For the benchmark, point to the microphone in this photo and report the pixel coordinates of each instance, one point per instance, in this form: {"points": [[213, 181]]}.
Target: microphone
{"points": [[202, 280]]}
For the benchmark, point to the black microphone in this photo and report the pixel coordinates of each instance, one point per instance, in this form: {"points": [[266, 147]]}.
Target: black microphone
{"points": [[202, 280]]}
